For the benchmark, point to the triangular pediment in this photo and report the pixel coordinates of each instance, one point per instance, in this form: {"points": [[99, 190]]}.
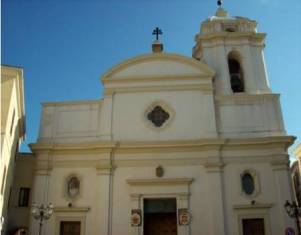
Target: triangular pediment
{"points": [[158, 65]]}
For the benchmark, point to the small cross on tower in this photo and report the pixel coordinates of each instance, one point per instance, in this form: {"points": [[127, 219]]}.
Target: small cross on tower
{"points": [[157, 31]]}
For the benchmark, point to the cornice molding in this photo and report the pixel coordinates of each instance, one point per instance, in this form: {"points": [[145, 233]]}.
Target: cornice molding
{"points": [[71, 209], [180, 87], [141, 79], [72, 102], [201, 144], [253, 206], [155, 57], [159, 181], [101, 145], [244, 98], [277, 141], [237, 35]]}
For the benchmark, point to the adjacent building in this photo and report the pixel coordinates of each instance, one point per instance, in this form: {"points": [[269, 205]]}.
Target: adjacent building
{"points": [[20, 199], [12, 133], [295, 173], [177, 145]]}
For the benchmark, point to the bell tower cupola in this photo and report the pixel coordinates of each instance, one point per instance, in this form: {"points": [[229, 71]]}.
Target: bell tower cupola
{"points": [[234, 49]]}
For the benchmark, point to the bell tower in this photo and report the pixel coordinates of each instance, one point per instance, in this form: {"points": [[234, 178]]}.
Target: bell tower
{"points": [[234, 49]]}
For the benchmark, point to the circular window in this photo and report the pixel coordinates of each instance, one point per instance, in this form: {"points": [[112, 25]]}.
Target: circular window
{"points": [[248, 185]]}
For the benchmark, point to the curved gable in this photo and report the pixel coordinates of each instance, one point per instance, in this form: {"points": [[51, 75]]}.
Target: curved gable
{"points": [[158, 65]]}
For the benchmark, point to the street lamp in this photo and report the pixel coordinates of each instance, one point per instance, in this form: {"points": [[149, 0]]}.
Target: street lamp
{"points": [[293, 211], [41, 212]]}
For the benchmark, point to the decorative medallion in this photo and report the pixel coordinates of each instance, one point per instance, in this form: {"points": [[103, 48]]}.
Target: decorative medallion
{"points": [[184, 216], [136, 218], [158, 116], [159, 171], [73, 185]]}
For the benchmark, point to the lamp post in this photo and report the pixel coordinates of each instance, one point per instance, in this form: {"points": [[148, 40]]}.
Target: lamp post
{"points": [[41, 212], [293, 211]]}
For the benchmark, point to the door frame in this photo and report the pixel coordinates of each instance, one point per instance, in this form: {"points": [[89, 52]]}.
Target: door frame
{"points": [[70, 214], [257, 211], [64, 221], [155, 188]]}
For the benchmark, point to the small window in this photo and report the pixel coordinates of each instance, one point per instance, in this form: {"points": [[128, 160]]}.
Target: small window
{"points": [[247, 183], [158, 116], [253, 226], [24, 197]]}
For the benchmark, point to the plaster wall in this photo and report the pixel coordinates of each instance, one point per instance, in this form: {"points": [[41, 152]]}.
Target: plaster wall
{"points": [[69, 122], [11, 134], [255, 115], [130, 116], [23, 177], [200, 200]]}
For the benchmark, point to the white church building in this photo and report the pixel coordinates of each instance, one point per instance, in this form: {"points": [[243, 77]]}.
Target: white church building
{"points": [[177, 145]]}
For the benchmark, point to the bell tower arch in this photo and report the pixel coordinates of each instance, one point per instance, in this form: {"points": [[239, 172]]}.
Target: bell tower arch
{"points": [[232, 43]]}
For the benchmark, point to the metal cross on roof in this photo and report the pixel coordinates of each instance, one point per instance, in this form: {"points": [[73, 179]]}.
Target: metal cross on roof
{"points": [[157, 32]]}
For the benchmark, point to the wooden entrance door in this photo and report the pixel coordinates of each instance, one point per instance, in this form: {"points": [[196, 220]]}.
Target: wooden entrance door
{"points": [[253, 226], [70, 228], [160, 216], [160, 224]]}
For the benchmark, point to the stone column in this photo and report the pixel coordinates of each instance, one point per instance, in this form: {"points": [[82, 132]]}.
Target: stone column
{"points": [[215, 198]]}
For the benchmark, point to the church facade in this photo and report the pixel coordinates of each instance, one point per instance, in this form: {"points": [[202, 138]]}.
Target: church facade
{"points": [[177, 145]]}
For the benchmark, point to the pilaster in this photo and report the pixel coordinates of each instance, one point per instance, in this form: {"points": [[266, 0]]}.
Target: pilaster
{"points": [[216, 200], [284, 192]]}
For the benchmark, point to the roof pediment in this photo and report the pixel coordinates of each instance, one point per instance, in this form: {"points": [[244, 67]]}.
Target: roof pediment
{"points": [[158, 65]]}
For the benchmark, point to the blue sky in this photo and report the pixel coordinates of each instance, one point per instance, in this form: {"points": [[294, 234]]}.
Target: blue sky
{"points": [[65, 45]]}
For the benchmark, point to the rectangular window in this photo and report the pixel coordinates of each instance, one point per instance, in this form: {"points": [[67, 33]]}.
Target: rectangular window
{"points": [[24, 197], [253, 226], [12, 123], [70, 228]]}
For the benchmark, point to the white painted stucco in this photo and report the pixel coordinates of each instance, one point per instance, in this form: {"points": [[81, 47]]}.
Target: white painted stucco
{"points": [[211, 137]]}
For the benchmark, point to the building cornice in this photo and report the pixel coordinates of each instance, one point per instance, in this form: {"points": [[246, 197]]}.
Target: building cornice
{"points": [[230, 35], [140, 79], [71, 209], [203, 144], [45, 147], [245, 98], [71, 103], [154, 88], [253, 206], [158, 56], [159, 181]]}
